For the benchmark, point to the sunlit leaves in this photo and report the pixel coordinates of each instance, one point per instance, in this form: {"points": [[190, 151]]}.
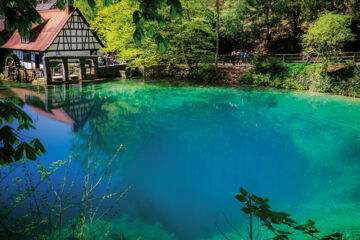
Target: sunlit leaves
{"points": [[328, 35]]}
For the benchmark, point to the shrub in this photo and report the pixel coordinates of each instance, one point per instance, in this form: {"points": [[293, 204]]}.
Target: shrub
{"points": [[205, 73], [343, 79], [267, 65]]}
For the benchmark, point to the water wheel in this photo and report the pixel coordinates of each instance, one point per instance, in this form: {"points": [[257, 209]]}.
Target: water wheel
{"points": [[13, 62]]}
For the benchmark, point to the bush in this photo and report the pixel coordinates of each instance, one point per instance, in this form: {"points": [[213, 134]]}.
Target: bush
{"points": [[344, 79], [267, 65], [205, 73]]}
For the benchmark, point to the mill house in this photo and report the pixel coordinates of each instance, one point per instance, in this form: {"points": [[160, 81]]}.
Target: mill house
{"points": [[61, 33]]}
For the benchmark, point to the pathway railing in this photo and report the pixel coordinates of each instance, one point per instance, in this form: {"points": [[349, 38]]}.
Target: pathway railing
{"points": [[300, 58], [296, 58]]}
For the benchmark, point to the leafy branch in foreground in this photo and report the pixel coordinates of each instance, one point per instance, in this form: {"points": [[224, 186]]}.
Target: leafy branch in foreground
{"points": [[12, 142], [258, 207]]}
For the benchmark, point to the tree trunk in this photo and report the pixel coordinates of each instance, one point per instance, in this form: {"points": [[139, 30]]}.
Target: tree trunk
{"points": [[217, 36]]}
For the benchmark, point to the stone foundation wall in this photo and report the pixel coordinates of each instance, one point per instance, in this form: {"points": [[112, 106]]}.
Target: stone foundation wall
{"points": [[112, 71]]}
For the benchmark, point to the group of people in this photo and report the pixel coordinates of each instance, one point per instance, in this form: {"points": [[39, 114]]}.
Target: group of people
{"points": [[106, 60], [241, 56]]}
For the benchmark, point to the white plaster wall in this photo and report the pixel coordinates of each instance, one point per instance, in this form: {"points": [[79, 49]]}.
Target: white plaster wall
{"points": [[69, 53]]}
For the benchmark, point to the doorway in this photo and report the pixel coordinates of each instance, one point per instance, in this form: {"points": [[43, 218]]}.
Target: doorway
{"points": [[37, 61]]}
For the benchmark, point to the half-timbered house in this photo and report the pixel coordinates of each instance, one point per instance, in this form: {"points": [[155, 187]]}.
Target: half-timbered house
{"points": [[61, 32]]}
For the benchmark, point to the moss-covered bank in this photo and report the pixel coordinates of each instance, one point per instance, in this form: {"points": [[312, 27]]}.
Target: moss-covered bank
{"points": [[337, 78]]}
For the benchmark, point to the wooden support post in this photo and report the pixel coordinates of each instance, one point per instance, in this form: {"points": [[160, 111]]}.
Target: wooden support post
{"points": [[65, 70], [47, 70], [82, 69], [284, 58], [96, 67], [47, 99]]}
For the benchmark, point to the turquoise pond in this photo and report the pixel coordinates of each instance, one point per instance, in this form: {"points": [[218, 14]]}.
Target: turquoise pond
{"points": [[188, 149]]}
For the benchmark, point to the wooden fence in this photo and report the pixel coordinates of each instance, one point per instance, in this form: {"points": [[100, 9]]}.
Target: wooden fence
{"points": [[298, 58]]}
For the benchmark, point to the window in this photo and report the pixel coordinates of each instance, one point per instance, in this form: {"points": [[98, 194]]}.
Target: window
{"points": [[27, 56], [25, 40]]}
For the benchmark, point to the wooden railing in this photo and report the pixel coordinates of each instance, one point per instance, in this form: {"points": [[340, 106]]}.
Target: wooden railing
{"points": [[299, 58], [296, 58]]}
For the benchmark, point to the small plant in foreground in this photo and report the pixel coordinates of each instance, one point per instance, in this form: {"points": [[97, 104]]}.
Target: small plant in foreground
{"points": [[258, 207], [65, 209]]}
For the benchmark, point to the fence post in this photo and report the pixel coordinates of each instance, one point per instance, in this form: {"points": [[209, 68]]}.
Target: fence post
{"points": [[284, 57]]}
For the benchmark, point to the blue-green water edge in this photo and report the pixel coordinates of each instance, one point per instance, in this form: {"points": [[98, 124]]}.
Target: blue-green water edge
{"points": [[187, 149]]}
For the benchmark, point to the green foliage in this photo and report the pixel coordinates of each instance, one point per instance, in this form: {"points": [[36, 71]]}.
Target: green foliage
{"points": [[276, 26], [267, 65], [189, 39], [270, 72], [328, 35], [205, 73], [260, 208], [21, 15], [12, 143]]}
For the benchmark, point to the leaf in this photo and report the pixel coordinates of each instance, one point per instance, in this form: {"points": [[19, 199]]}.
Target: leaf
{"points": [[150, 31], [38, 146], [246, 210], [243, 191], [91, 3], [241, 198], [29, 152], [60, 4], [281, 237], [283, 232], [19, 152], [138, 36], [334, 236], [107, 3], [136, 17]]}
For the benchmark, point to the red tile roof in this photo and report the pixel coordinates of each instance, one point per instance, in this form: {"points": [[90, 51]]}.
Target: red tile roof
{"points": [[43, 35]]}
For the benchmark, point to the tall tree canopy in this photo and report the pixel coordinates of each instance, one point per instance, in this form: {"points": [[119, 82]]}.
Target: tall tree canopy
{"points": [[277, 25], [191, 38]]}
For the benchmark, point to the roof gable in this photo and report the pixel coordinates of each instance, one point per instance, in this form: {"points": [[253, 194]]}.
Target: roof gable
{"points": [[44, 34], [76, 35]]}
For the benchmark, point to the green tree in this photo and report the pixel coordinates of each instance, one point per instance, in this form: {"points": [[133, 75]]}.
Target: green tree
{"points": [[328, 34], [277, 25], [191, 39]]}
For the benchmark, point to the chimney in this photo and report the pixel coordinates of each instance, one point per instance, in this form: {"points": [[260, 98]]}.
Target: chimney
{"points": [[68, 8]]}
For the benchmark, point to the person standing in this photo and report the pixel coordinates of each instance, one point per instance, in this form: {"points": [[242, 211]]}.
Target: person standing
{"points": [[242, 54], [100, 60], [246, 55], [233, 57], [238, 56]]}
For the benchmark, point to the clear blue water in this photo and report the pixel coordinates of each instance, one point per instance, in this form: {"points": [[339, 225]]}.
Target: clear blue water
{"points": [[188, 149]]}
